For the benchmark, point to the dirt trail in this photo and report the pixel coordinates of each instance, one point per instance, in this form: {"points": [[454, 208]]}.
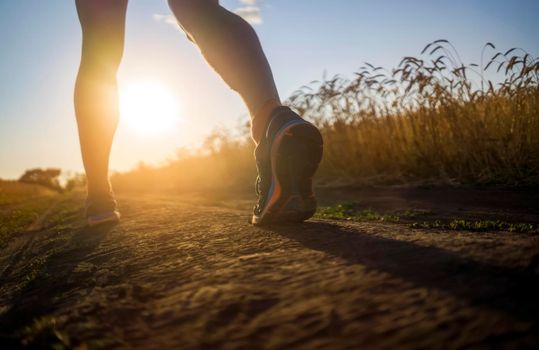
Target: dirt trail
{"points": [[177, 275]]}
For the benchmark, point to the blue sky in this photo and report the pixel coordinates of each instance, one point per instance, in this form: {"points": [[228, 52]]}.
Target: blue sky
{"points": [[302, 38]]}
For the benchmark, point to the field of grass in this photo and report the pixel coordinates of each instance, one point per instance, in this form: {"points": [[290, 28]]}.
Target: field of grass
{"points": [[431, 120], [20, 205]]}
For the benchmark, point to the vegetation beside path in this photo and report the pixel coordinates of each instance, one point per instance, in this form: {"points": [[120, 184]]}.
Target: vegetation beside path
{"points": [[21, 205], [433, 119]]}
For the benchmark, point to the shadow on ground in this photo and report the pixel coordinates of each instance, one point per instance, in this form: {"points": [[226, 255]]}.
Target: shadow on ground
{"points": [[510, 290]]}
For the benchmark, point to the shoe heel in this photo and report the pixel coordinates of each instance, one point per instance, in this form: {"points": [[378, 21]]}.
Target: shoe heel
{"points": [[309, 148], [300, 154]]}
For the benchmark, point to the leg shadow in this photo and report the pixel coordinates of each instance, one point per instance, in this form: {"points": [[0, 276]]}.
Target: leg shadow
{"points": [[511, 290]]}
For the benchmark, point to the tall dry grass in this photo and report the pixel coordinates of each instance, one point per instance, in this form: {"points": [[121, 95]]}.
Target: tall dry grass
{"points": [[433, 119], [15, 192]]}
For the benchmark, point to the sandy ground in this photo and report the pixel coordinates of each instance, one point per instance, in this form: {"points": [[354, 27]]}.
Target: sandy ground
{"points": [[177, 274]]}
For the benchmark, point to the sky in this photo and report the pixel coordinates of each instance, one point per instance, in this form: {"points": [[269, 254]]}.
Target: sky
{"points": [[303, 39]]}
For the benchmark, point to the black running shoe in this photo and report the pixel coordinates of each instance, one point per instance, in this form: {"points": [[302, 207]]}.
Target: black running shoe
{"points": [[286, 158], [102, 210]]}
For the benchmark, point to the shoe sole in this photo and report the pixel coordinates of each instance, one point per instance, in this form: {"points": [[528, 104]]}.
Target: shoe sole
{"points": [[295, 154]]}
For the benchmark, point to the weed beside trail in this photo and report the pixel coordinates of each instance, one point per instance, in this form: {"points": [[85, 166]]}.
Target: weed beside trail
{"points": [[433, 119], [352, 211], [479, 226]]}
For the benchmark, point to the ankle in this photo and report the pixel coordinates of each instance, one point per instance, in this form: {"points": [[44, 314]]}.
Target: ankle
{"points": [[98, 192], [261, 118]]}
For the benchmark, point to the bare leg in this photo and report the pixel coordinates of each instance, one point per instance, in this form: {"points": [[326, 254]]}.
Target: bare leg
{"points": [[96, 95], [231, 47]]}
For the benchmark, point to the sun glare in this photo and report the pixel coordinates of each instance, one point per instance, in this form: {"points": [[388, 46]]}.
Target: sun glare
{"points": [[148, 108]]}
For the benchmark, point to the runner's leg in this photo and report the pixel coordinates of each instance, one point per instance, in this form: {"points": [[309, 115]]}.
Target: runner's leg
{"points": [[96, 95], [231, 47], [288, 156]]}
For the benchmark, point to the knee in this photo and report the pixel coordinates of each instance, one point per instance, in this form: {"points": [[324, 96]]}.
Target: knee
{"points": [[102, 53], [191, 12]]}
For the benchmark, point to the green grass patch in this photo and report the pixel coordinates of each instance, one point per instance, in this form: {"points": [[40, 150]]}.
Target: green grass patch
{"points": [[479, 226], [16, 218], [22, 204], [353, 211]]}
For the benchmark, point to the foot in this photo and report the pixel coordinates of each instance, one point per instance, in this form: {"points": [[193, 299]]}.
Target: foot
{"points": [[286, 158], [102, 210]]}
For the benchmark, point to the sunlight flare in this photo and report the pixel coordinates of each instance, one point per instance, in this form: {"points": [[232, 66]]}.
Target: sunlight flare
{"points": [[148, 108]]}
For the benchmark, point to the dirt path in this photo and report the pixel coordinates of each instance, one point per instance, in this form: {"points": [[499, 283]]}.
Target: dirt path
{"points": [[177, 275]]}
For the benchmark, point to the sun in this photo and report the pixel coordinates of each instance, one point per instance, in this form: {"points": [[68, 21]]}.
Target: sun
{"points": [[148, 108]]}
